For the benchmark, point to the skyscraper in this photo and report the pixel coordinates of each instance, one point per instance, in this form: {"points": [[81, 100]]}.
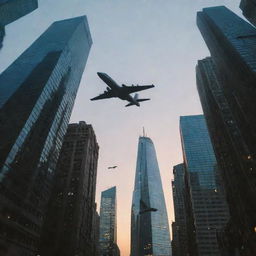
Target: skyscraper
{"points": [[11, 10], [149, 222], [179, 227], [207, 209], [228, 145], [231, 41], [69, 228], [37, 94], [108, 234], [249, 10]]}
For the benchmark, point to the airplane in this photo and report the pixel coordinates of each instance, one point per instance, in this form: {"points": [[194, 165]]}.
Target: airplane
{"points": [[122, 92], [146, 208], [112, 167]]}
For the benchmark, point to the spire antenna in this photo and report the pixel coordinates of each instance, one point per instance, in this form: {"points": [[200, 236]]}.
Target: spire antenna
{"points": [[144, 132]]}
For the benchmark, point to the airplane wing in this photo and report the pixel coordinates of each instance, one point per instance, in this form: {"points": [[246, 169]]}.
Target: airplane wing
{"points": [[105, 95], [136, 88]]}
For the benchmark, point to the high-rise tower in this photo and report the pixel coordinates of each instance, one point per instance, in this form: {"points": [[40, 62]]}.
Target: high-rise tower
{"points": [[11, 10], [207, 210], [149, 223], [72, 203], [37, 94], [108, 232], [226, 84]]}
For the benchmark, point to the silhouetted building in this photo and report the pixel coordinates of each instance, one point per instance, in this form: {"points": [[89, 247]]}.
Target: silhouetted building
{"points": [[226, 139], [231, 41], [179, 226], [205, 199], [108, 232], [149, 222], [96, 233], [69, 226], [175, 240], [37, 94], [11, 10], [249, 10]]}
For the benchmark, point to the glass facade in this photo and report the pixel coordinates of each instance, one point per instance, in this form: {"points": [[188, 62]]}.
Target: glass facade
{"points": [[232, 44], [11, 10], [209, 210], [108, 234], [37, 94], [149, 222]]}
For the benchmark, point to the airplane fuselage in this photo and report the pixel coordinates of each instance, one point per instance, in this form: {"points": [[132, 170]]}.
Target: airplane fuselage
{"points": [[117, 89]]}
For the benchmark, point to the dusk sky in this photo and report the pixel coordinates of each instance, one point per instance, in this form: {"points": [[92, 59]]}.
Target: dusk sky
{"points": [[135, 42]]}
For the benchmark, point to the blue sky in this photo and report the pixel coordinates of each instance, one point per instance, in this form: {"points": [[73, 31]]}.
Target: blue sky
{"points": [[139, 42]]}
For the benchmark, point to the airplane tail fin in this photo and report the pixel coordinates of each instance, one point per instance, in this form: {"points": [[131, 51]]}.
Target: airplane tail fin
{"points": [[136, 97]]}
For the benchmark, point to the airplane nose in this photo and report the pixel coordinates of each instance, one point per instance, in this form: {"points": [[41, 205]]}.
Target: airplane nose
{"points": [[99, 74]]}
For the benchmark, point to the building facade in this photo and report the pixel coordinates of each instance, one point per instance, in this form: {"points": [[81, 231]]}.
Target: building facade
{"points": [[175, 240], [227, 142], [96, 232], [149, 222], [231, 41], [205, 199], [69, 226], [249, 10], [37, 96], [11, 10], [108, 224], [179, 227]]}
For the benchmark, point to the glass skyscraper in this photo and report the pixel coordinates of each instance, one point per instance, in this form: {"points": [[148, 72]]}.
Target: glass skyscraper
{"points": [[108, 225], [227, 91], [11, 10], [149, 222], [37, 94], [206, 206]]}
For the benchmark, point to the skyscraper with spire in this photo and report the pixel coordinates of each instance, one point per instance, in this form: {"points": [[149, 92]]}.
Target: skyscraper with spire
{"points": [[149, 222]]}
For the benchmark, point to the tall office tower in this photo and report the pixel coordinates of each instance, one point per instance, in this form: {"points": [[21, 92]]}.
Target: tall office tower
{"points": [[11, 10], [249, 10], [231, 41], [108, 235], [205, 197], [69, 227], [228, 145], [37, 94], [149, 222], [178, 191]]}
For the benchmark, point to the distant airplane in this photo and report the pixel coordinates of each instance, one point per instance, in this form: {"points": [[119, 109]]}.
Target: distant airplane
{"points": [[145, 208], [112, 167], [122, 92]]}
